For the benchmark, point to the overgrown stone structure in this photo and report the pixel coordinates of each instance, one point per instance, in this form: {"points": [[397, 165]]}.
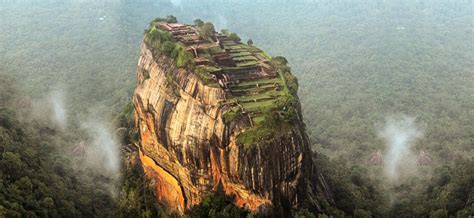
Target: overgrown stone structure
{"points": [[244, 72], [215, 114]]}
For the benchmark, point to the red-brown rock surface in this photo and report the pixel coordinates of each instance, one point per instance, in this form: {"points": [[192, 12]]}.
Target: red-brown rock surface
{"points": [[188, 150]]}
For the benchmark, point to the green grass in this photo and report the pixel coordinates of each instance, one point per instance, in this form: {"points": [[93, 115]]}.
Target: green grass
{"points": [[230, 115], [268, 94], [254, 88], [165, 43], [262, 132], [236, 68], [263, 129], [266, 55], [236, 46], [241, 53], [183, 58], [203, 73], [262, 81], [251, 137], [247, 64], [211, 68], [254, 106], [214, 50], [258, 119], [237, 50], [254, 49], [229, 43], [205, 54], [245, 58]]}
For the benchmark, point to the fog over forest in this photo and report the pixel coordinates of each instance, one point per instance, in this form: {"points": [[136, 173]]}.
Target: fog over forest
{"points": [[387, 82]]}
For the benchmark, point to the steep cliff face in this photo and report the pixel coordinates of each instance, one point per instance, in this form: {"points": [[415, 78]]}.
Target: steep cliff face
{"points": [[187, 149]]}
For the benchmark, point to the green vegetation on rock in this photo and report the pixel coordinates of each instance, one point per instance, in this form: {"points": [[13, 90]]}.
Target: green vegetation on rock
{"points": [[164, 42], [216, 205], [274, 117], [206, 30]]}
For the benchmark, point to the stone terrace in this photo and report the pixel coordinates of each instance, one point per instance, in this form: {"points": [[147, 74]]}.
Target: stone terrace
{"points": [[243, 71]]}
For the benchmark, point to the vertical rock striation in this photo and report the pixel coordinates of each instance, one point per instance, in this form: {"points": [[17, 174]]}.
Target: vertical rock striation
{"points": [[188, 150]]}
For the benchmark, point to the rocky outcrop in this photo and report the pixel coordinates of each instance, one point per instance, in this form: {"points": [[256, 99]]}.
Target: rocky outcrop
{"points": [[188, 150], [376, 158], [424, 158]]}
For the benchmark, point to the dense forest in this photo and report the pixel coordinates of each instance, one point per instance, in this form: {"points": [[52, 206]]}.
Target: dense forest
{"points": [[358, 63], [37, 178]]}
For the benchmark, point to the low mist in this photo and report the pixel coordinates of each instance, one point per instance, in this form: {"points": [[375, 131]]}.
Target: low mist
{"points": [[399, 134], [95, 148], [57, 108], [103, 150]]}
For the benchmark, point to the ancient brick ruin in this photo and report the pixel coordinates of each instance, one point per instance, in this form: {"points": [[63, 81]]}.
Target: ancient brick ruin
{"points": [[245, 72]]}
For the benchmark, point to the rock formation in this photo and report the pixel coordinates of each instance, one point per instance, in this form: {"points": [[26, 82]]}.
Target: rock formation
{"points": [[189, 145], [376, 159], [79, 149], [423, 158]]}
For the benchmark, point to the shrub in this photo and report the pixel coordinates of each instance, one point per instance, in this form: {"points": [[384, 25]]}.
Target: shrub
{"points": [[216, 205], [305, 213], [360, 213], [168, 19], [168, 47], [184, 58], [250, 42], [207, 30], [252, 136], [202, 74], [198, 22], [235, 37], [279, 60], [230, 115], [7, 117]]}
